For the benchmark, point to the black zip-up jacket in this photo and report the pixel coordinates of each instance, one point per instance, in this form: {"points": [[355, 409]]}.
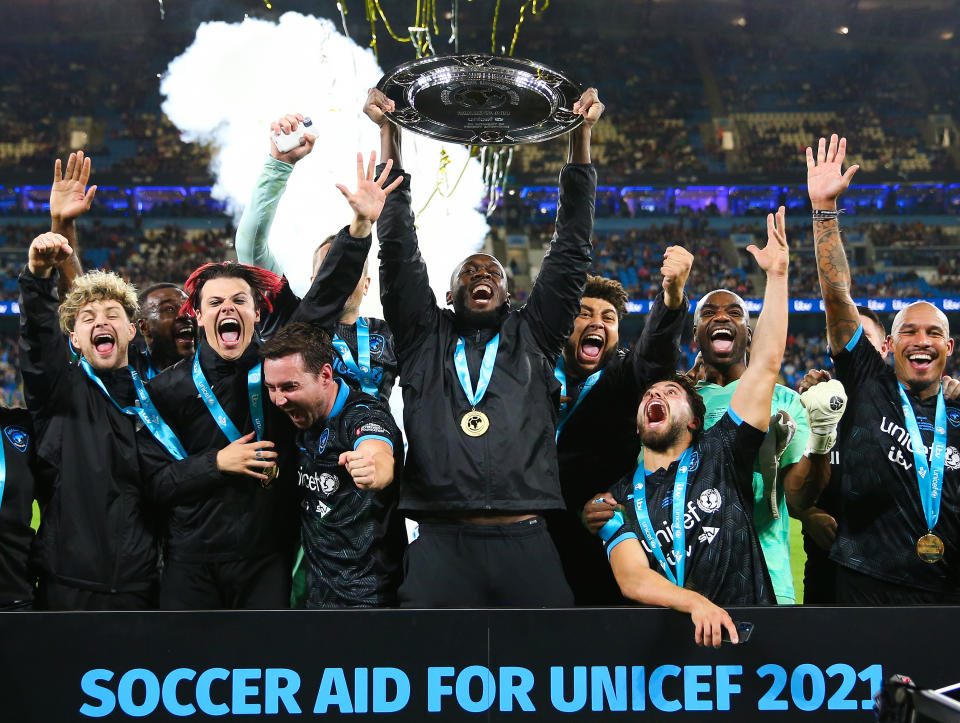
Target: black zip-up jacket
{"points": [[513, 467], [214, 517], [17, 580], [96, 530], [598, 443]]}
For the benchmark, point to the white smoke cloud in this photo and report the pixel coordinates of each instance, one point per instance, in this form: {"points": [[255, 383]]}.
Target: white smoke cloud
{"points": [[235, 79]]}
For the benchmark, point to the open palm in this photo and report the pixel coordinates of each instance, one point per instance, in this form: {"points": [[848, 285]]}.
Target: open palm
{"points": [[367, 201], [774, 258], [825, 177], [69, 195]]}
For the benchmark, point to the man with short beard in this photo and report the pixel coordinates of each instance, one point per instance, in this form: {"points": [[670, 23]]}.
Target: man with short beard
{"points": [[480, 396], [601, 390], [367, 360], [898, 534], [230, 534], [169, 334], [97, 547], [685, 538], [350, 452]]}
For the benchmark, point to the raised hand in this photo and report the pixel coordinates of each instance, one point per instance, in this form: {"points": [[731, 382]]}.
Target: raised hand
{"points": [[589, 106], [377, 105], [69, 195], [675, 269], [46, 251], [825, 179], [775, 256], [367, 201], [288, 124]]}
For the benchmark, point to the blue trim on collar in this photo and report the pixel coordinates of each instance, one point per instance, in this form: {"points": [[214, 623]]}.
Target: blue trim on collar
{"points": [[854, 339], [340, 400]]}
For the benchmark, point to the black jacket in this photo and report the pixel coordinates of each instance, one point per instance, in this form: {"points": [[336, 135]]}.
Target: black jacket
{"points": [[214, 516], [17, 581], [599, 443], [513, 467], [96, 531]]}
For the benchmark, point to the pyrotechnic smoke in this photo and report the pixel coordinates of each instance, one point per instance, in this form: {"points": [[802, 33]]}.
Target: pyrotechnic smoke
{"points": [[235, 79]]}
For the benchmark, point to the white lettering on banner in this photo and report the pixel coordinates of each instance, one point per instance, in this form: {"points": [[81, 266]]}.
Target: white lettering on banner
{"points": [[951, 305]]}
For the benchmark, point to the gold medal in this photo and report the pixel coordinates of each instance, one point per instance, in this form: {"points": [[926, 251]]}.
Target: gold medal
{"points": [[930, 548], [474, 423], [272, 474]]}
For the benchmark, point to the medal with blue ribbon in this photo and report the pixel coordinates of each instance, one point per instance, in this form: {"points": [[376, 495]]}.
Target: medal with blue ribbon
{"points": [[679, 503], [566, 410], [929, 476], [147, 412], [475, 423], [362, 371], [229, 429]]}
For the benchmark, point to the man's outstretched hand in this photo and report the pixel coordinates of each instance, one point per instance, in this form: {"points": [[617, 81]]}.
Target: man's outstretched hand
{"points": [[69, 195], [367, 201], [825, 177]]}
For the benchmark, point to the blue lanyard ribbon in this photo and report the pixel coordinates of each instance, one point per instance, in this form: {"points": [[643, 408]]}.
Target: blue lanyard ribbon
{"points": [[146, 411], [929, 476], [362, 371], [223, 421], [566, 411], [486, 369], [151, 371], [679, 506]]}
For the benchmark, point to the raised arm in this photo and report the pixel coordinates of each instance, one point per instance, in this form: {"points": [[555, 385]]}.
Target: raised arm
{"points": [[825, 183], [342, 268], [657, 351], [409, 304], [43, 347], [555, 299], [751, 400], [254, 227], [69, 199]]}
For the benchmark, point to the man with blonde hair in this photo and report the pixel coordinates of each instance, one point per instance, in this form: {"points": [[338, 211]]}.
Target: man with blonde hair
{"points": [[97, 546]]}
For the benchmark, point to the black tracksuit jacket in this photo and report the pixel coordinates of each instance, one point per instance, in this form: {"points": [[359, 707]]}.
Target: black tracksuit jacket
{"points": [[17, 580], [513, 467], [217, 517], [97, 531]]}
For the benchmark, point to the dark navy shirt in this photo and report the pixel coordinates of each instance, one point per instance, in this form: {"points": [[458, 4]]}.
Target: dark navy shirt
{"points": [[724, 561], [881, 515], [353, 539]]}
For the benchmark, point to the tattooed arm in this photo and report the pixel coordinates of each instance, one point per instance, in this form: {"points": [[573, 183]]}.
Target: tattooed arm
{"points": [[825, 183]]}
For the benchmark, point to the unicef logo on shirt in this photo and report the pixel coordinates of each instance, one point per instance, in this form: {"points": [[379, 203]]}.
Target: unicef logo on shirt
{"points": [[709, 501], [952, 459], [328, 483]]}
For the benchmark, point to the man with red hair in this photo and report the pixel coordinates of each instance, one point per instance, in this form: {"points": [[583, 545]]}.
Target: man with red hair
{"points": [[229, 533]]}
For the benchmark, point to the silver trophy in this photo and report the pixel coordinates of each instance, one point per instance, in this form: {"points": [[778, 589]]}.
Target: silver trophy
{"points": [[482, 100]]}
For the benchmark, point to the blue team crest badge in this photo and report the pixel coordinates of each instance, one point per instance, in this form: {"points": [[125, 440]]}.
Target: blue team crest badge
{"points": [[322, 444], [953, 416], [17, 437], [694, 461], [376, 344]]}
